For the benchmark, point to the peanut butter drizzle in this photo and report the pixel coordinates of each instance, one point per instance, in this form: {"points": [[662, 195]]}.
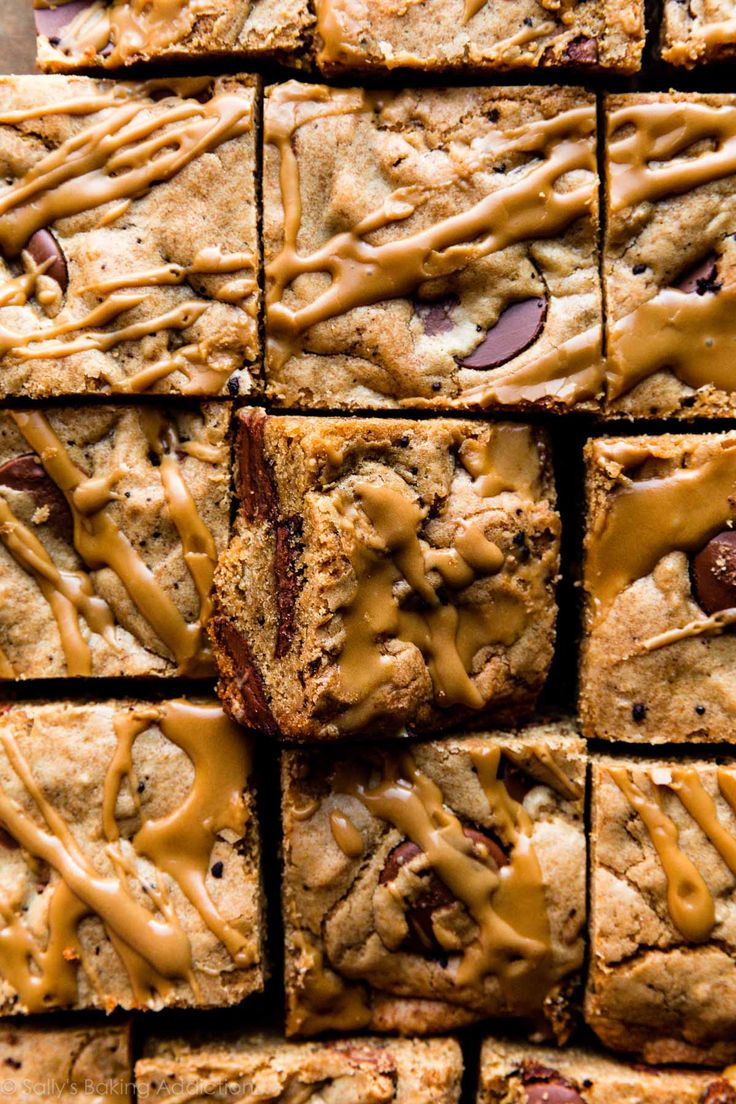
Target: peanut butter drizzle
{"points": [[690, 902], [118, 157], [648, 518], [509, 908], [100, 543], [506, 461], [691, 336], [346, 835], [448, 636], [362, 273], [699, 41], [152, 945]]}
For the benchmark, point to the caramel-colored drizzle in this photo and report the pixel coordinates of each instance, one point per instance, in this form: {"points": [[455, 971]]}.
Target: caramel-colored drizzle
{"points": [[128, 29], [648, 518], [346, 835], [508, 907], [101, 544], [150, 941], [362, 272], [690, 335], [689, 901], [699, 41], [116, 158]]}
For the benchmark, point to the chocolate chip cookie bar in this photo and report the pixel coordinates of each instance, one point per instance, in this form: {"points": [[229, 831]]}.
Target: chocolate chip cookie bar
{"points": [[128, 243], [62, 1065], [108, 34], [427, 886], [659, 650], [515, 1074], [474, 34], [358, 1071], [663, 895], [694, 34], [129, 857], [385, 575], [670, 255], [431, 247], [111, 522]]}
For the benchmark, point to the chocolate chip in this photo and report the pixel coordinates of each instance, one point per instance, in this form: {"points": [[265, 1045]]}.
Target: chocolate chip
{"points": [[436, 316], [233, 385], [141, 787], [45, 250], [638, 269], [582, 50], [700, 710], [51, 21], [547, 1086], [241, 683], [714, 573], [26, 473], [288, 539], [516, 329], [700, 279], [719, 1092], [638, 711], [217, 869], [421, 938]]}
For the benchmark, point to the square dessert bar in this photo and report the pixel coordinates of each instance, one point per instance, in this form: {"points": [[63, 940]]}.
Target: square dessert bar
{"points": [[128, 245], [85, 1063], [433, 885], [431, 247], [108, 34], [475, 34], [129, 857], [511, 1073], [354, 1071], [693, 34], [385, 576], [663, 900], [670, 255], [111, 521], [659, 650]]}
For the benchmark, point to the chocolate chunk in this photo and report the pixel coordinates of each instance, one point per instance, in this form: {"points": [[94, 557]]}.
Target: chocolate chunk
{"points": [[26, 473], [517, 328], [436, 895], [714, 573], [50, 22], [241, 685], [582, 50], [543, 1085], [719, 1092], [288, 535], [436, 316], [702, 278], [45, 250], [517, 782]]}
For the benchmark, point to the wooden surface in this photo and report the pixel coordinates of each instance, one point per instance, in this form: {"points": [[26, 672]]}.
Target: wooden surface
{"points": [[17, 41]]}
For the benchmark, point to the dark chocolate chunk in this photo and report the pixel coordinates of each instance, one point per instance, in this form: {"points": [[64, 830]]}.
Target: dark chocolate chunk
{"points": [[217, 869], [256, 487], [241, 685], [638, 712], [435, 895], [26, 473], [286, 581], [719, 1092], [543, 1085], [702, 278], [45, 250], [714, 573], [517, 328], [50, 22], [583, 50], [436, 317]]}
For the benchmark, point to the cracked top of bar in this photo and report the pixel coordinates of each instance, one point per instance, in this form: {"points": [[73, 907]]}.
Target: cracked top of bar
{"points": [[128, 244]]}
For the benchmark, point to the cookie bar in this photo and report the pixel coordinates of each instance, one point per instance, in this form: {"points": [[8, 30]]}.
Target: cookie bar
{"points": [[108, 34], [432, 885], [670, 255], [431, 247], [517, 1074], [660, 577], [693, 34], [129, 857], [385, 575], [663, 896], [128, 242], [111, 521], [358, 1071], [474, 34], [85, 1064]]}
